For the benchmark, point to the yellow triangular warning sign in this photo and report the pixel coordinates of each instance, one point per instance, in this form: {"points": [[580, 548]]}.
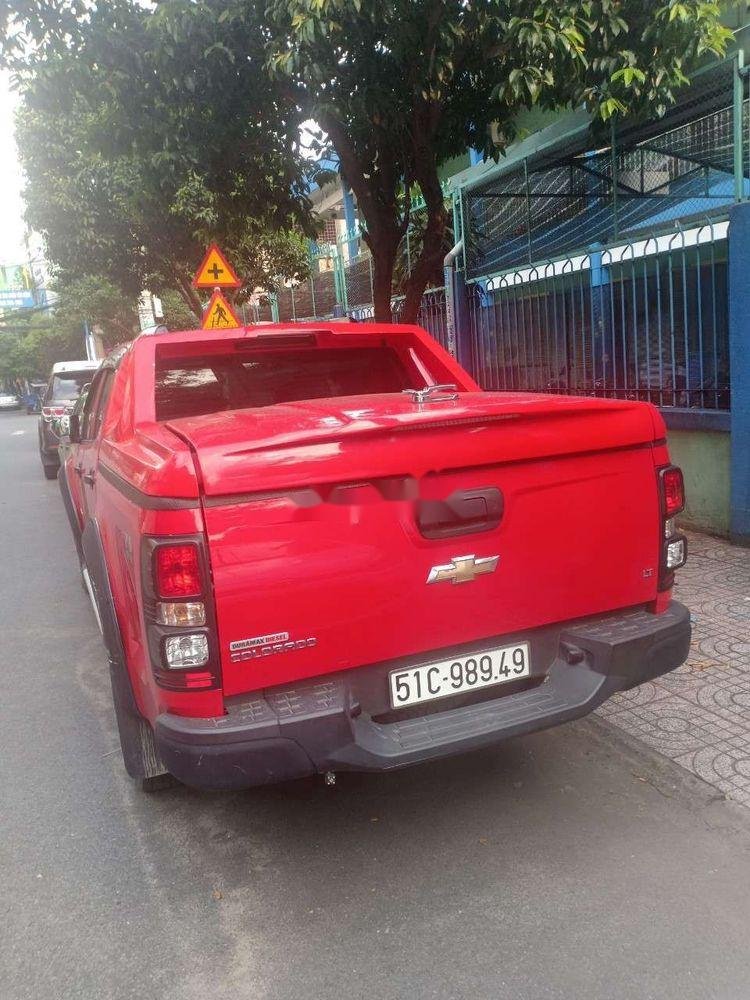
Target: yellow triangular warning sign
{"points": [[219, 315], [215, 271]]}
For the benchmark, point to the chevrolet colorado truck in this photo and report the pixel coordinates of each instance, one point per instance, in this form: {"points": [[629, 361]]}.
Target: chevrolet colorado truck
{"points": [[322, 548]]}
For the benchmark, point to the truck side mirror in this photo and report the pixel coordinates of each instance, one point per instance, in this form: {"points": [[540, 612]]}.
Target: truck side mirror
{"points": [[74, 432]]}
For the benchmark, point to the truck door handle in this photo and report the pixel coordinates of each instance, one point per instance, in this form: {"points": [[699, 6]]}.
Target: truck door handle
{"points": [[89, 477], [462, 513]]}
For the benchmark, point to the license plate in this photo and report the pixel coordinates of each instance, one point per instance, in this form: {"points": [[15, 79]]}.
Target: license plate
{"points": [[458, 675]]}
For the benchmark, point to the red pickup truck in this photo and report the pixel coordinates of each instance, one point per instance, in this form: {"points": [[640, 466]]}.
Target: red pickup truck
{"points": [[324, 548]]}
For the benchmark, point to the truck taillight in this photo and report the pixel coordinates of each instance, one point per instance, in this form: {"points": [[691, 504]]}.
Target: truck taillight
{"points": [[673, 544], [177, 571], [186, 650], [673, 491], [179, 614]]}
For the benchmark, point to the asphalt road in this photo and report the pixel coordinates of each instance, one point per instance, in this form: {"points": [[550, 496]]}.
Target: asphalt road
{"points": [[570, 864]]}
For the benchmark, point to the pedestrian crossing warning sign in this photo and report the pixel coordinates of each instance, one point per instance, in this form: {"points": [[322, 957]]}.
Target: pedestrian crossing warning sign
{"points": [[219, 315], [215, 271]]}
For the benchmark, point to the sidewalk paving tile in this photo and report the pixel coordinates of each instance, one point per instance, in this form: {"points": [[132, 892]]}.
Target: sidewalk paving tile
{"points": [[699, 715]]}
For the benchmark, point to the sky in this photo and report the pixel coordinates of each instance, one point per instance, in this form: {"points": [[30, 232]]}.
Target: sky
{"points": [[12, 249]]}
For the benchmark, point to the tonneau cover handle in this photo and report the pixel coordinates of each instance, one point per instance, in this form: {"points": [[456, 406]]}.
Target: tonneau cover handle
{"points": [[462, 513]]}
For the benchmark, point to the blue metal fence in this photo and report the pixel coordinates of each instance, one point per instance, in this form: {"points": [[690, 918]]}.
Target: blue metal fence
{"points": [[431, 316], [640, 320]]}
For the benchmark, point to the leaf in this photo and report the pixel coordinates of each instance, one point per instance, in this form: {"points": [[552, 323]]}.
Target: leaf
{"points": [[611, 106], [678, 11], [629, 73]]}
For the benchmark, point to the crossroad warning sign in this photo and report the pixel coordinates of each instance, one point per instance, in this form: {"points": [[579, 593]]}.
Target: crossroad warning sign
{"points": [[215, 271], [219, 315]]}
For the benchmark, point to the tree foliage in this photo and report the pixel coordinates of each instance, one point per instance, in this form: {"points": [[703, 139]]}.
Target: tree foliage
{"points": [[397, 87], [176, 314], [32, 340], [146, 134], [400, 87], [23, 346], [95, 301]]}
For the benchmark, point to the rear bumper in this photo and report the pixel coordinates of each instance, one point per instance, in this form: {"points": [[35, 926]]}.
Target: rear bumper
{"points": [[327, 723]]}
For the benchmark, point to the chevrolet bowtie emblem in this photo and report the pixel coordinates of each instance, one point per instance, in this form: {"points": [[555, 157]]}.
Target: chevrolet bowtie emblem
{"points": [[463, 569]]}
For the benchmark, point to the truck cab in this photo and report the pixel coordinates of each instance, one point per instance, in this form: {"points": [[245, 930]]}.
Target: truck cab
{"points": [[318, 548]]}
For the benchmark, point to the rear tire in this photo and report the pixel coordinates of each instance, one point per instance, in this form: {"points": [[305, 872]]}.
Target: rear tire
{"points": [[139, 753]]}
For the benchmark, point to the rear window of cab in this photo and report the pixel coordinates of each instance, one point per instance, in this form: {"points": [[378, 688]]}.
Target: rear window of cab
{"points": [[67, 386], [191, 387]]}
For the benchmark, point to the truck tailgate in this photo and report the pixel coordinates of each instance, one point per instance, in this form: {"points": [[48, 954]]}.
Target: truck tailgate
{"points": [[317, 543]]}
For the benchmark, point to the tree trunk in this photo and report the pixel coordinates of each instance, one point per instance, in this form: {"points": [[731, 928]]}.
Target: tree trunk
{"points": [[383, 237], [426, 174], [189, 295], [375, 188], [428, 261], [383, 262]]}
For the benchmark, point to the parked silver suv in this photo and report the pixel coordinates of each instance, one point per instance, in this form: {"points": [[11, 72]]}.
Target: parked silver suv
{"points": [[63, 389]]}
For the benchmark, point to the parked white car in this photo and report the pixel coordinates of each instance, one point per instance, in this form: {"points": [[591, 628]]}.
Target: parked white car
{"points": [[8, 401]]}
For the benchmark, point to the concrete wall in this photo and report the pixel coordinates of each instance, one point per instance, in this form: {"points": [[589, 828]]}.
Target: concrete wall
{"points": [[703, 457]]}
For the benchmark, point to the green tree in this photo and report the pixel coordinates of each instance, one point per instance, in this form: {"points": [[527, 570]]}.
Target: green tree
{"points": [[400, 87], [145, 134], [96, 302], [32, 340], [177, 315]]}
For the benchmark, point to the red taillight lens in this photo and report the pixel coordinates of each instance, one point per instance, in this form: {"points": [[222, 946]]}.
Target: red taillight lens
{"points": [[673, 490], [48, 412], [177, 571]]}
